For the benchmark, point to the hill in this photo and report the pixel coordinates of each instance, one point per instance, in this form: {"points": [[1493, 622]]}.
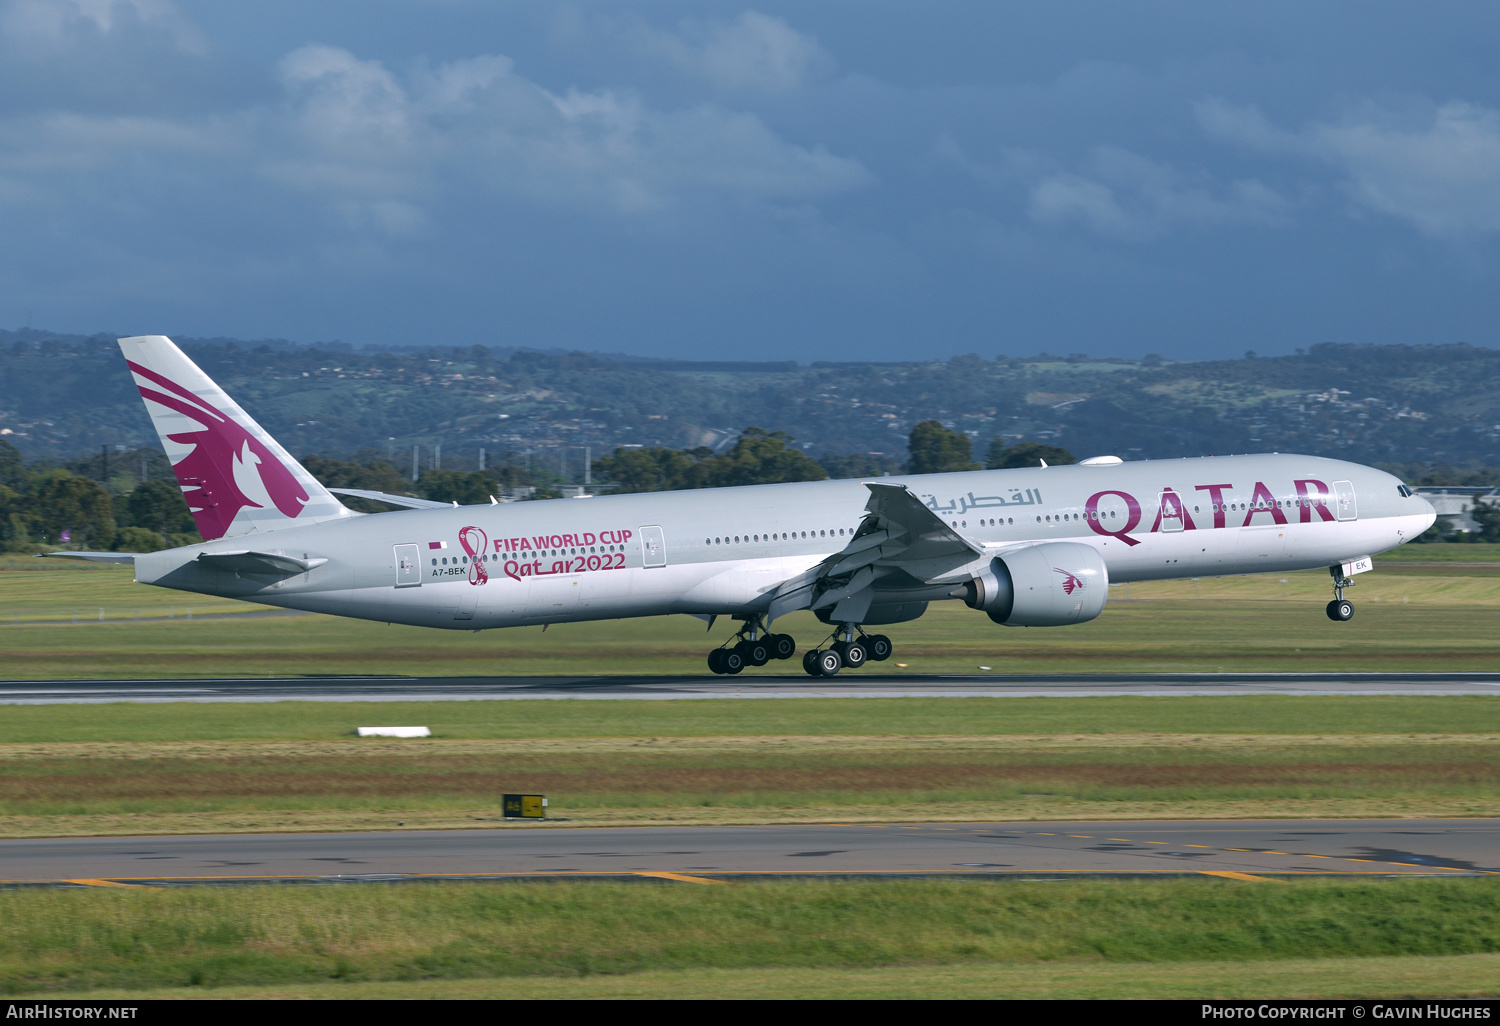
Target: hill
{"points": [[62, 396]]}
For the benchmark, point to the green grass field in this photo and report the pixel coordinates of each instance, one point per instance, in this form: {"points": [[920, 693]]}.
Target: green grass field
{"points": [[183, 768], [190, 768], [1100, 938], [1412, 618]]}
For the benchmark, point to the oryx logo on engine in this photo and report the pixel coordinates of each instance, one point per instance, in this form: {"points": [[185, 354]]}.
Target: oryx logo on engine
{"points": [[1071, 581]]}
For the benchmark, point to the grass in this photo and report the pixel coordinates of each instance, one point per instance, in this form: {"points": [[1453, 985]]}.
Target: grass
{"points": [[641, 722], [1442, 552], [1409, 977], [193, 768], [1095, 934], [58, 590], [1430, 619]]}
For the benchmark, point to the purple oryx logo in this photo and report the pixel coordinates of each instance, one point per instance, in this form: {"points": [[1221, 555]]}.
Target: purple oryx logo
{"points": [[1071, 581], [223, 454]]}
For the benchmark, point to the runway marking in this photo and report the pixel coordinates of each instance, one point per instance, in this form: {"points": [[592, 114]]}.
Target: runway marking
{"points": [[146, 882], [105, 883], [1305, 855], [1230, 874], [679, 877]]}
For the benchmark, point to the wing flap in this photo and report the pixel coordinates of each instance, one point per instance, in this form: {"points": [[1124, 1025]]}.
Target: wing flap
{"points": [[899, 533]]}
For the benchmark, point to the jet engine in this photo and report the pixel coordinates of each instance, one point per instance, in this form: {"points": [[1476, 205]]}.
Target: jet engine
{"points": [[1049, 585]]}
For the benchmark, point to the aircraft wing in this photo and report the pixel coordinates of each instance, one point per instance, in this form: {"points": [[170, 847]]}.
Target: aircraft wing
{"points": [[899, 533], [394, 500]]}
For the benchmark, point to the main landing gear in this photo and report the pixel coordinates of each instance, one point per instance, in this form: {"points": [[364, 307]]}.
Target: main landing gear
{"points": [[752, 646], [1340, 608], [844, 649]]}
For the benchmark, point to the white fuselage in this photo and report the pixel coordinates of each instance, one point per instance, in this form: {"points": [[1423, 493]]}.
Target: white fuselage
{"points": [[724, 551]]}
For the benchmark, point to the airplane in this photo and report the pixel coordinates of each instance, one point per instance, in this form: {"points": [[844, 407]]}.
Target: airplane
{"points": [[1031, 547]]}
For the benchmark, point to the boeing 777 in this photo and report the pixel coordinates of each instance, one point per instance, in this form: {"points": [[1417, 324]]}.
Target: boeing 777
{"points": [[1034, 547]]}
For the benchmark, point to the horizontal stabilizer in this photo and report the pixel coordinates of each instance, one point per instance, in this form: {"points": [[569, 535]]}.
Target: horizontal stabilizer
{"points": [[245, 561], [394, 500], [96, 557]]}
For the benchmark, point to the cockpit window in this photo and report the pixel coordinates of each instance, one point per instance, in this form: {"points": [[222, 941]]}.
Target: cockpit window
{"points": [[1406, 492]]}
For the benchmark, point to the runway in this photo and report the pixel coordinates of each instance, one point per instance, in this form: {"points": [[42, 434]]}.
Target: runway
{"points": [[686, 686], [1233, 849]]}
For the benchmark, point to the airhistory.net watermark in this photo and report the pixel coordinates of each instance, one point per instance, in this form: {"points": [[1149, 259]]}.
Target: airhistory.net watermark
{"points": [[44, 1010]]}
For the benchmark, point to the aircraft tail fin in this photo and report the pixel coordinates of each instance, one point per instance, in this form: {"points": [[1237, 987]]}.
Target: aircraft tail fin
{"points": [[235, 477]]}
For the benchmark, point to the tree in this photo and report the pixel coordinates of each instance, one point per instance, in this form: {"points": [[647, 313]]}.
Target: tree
{"points": [[138, 539], [860, 464], [936, 450], [758, 457], [378, 476], [159, 507], [1025, 454], [649, 470], [76, 505], [1487, 516], [13, 526], [12, 471], [467, 488]]}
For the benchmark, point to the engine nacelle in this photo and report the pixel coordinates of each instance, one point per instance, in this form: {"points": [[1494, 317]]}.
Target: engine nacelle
{"points": [[1050, 585]]}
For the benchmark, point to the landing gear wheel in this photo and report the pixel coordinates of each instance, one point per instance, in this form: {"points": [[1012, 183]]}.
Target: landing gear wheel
{"points": [[1341, 609], [879, 647], [783, 646], [852, 653], [716, 660], [755, 653], [829, 662], [732, 661], [810, 663]]}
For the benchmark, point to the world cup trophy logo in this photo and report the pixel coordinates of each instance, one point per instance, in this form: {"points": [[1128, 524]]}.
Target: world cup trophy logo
{"points": [[475, 544]]}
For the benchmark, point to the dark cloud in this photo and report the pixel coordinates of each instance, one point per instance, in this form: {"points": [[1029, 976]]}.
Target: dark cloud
{"points": [[786, 181]]}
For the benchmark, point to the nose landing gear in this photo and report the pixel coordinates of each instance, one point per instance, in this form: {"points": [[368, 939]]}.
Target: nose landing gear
{"points": [[1340, 608], [751, 646], [845, 649]]}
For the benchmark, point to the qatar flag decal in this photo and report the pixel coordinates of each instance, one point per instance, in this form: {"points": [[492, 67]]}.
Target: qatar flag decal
{"points": [[437, 545]]}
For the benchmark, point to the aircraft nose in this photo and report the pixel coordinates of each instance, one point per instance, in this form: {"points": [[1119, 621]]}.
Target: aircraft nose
{"points": [[1429, 512]]}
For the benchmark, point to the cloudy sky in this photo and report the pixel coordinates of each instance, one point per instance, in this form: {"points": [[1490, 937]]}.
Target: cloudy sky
{"points": [[811, 180]]}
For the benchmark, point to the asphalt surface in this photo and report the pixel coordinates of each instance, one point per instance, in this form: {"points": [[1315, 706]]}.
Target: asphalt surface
{"points": [[851, 685], [1237, 849]]}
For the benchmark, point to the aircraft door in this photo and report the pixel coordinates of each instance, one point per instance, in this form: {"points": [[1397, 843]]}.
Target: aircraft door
{"points": [[653, 547], [1343, 492], [408, 567], [1170, 505]]}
